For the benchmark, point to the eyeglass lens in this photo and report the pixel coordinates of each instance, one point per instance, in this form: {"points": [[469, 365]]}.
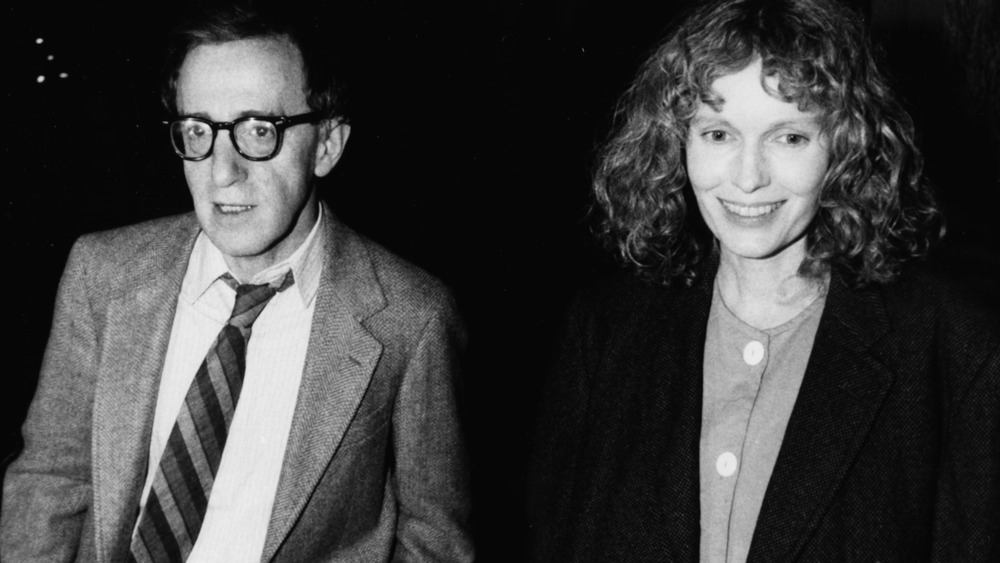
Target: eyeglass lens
{"points": [[254, 138]]}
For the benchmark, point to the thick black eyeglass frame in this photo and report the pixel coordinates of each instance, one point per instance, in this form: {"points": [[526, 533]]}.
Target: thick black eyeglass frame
{"points": [[280, 124]]}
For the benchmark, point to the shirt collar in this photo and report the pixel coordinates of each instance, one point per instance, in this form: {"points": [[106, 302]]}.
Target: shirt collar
{"points": [[207, 265]]}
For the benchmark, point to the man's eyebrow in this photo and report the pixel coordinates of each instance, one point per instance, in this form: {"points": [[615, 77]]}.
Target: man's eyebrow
{"points": [[199, 115], [256, 113], [245, 113]]}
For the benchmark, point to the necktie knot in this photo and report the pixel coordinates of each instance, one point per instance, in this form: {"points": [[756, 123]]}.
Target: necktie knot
{"points": [[251, 300]]}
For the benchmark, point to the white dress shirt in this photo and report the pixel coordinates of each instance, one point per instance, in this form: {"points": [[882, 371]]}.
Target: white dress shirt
{"points": [[239, 508]]}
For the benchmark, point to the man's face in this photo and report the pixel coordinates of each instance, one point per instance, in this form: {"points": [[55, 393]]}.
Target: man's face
{"points": [[256, 213]]}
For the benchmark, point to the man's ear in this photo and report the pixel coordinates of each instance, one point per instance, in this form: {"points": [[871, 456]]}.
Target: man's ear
{"points": [[333, 138]]}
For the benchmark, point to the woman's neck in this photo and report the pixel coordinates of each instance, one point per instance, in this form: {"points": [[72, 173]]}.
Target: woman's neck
{"points": [[766, 293]]}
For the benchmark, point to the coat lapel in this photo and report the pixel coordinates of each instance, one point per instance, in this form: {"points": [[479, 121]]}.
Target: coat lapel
{"points": [[642, 450], [340, 360], [842, 391], [139, 323], [681, 352]]}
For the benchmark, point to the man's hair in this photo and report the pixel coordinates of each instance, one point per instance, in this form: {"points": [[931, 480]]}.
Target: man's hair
{"points": [[224, 22], [874, 213]]}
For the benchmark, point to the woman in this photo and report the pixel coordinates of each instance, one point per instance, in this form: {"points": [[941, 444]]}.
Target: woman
{"points": [[774, 380]]}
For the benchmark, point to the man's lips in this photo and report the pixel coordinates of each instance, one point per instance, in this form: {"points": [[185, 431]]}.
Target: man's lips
{"points": [[228, 208]]}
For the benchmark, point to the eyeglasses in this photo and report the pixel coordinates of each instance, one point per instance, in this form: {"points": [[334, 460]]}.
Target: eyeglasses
{"points": [[255, 138]]}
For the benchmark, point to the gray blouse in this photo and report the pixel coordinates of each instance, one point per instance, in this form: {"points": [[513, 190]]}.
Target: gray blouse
{"points": [[751, 380]]}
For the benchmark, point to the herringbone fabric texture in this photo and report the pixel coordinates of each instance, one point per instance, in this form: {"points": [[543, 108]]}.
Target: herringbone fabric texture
{"points": [[170, 523]]}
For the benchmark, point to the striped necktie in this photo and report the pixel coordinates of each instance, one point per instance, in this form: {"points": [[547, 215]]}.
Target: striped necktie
{"points": [[175, 508]]}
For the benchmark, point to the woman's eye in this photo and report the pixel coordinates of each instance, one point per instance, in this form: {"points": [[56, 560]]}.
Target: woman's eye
{"points": [[794, 139], [716, 136]]}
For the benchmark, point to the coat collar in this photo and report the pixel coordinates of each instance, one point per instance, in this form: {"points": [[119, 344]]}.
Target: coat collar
{"points": [[340, 361], [844, 386], [681, 350], [636, 490]]}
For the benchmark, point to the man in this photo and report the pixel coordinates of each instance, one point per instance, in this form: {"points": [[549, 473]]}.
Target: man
{"points": [[253, 381]]}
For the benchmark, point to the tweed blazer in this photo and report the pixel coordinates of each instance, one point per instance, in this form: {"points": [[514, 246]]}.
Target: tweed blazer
{"points": [[892, 450], [374, 466]]}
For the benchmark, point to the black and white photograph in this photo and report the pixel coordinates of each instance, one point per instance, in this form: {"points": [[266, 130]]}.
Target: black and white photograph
{"points": [[696, 280]]}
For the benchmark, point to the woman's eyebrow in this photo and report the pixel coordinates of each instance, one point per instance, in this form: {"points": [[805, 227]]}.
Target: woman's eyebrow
{"points": [[699, 120], [802, 122]]}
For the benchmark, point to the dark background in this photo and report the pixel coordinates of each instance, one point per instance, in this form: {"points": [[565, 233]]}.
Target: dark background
{"points": [[474, 131]]}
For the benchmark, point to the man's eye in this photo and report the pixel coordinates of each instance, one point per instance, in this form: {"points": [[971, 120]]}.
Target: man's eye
{"points": [[261, 132], [196, 131]]}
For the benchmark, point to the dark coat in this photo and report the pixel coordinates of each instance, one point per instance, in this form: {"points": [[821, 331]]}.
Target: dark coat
{"points": [[891, 453]]}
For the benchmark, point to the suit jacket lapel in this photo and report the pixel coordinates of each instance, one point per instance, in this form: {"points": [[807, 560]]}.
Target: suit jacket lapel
{"points": [[843, 388], [139, 323], [340, 360]]}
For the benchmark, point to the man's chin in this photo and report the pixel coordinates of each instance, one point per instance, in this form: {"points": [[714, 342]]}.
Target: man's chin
{"points": [[236, 244]]}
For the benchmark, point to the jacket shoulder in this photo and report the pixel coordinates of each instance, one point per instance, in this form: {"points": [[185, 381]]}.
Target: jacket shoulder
{"points": [[123, 245], [404, 282], [938, 321], [119, 259], [925, 301], [622, 302]]}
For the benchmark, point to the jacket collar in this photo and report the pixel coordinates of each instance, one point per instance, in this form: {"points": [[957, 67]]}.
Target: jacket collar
{"points": [[340, 361], [682, 336], [844, 386]]}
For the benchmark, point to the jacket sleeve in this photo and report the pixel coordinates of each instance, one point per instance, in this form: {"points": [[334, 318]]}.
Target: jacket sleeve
{"points": [[431, 474], [967, 514], [47, 493]]}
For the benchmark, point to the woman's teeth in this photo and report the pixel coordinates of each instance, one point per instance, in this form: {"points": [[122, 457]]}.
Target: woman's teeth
{"points": [[750, 210]]}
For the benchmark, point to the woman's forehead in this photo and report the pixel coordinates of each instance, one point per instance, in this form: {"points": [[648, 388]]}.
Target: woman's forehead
{"points": [[795, 86]]}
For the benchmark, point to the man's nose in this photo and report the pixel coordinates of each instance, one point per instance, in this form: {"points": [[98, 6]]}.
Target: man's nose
{"points": [[751, 168], [228, 167]]}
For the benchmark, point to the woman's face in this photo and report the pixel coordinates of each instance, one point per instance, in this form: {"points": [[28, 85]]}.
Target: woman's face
{"points": [[757, 167]]}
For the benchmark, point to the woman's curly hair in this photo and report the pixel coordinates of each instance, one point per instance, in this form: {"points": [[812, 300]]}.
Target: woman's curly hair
{"points": [[875, 212]]}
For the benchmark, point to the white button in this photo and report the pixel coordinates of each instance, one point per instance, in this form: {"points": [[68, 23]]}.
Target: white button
{"points": [[726, 464], [753, 353]]}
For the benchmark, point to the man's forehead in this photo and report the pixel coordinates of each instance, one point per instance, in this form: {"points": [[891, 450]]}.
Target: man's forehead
{"points": [[270, 53], [242, 76]]}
